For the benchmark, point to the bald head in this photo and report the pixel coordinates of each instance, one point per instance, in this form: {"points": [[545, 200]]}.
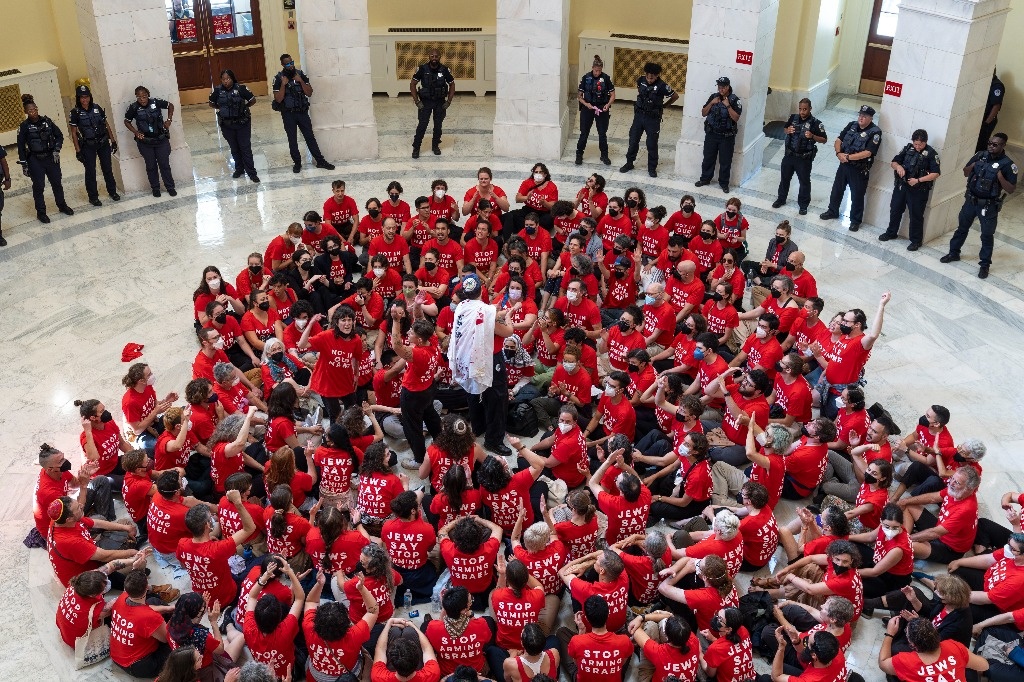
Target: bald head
{"points": [[687, 269]]}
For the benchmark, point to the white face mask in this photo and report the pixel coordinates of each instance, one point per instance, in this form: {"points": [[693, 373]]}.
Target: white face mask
{"points": [[890, 533], [683, 450], [235, 382], [300, 324], [1007, 552], [569, 366], [515, 294], [378, 272], [572, 295], [296, 240], [538, 178], [151, 380], [609, 391], [649, 223], [762, 438], [219, 343], [761, 333], [840, 403], [564, 428], [439, 194], [215, 283]]}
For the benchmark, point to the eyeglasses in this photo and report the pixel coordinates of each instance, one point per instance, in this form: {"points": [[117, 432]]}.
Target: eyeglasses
{"points": [[728, 261], [993, 144]]}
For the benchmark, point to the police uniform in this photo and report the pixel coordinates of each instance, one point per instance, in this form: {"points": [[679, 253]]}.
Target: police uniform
{"points": [[155, 145], [995, 96], [800, 153], [720, 138], [3, 179], [232, 106], [982, 201], [434, 83], [913, 198], [854, 139], [596, 91], [90, 124], [39, 146], [294, 110], [647, 111]]}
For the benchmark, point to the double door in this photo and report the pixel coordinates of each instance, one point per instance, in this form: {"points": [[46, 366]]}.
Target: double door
{"points": [[208, 36]]}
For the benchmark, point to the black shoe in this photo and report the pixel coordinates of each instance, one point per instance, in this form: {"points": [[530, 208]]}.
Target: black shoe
{"points": [[156, 192], [854, 227], [322, 163], [701, 183], [254, 177], [115, 196], [499, 449], [778, 203], [652, 172], [803, 211], [725, 188], [829, 215], [66, 210], [237, 174], [173, 192], [43, 218], [415, 152], [885, 237], [436, 150], [983, 272], [3, 242], [296, 167], [626, 168], [606, 161], [579, 159], [949, 258], [913, 246], [96, 201]]}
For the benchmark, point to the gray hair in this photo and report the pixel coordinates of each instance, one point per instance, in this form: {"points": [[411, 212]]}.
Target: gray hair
{"points": [[227, 429], [975, 448], [270, 347], [726, 525], [256, 672], [781, 437], [536, 537], [971, 478], [222, 371], [785, 281], [619, 441]]}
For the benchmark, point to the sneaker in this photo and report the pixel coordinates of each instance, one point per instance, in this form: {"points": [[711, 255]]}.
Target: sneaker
{"points": [[173, 192], [606, 161], [296, 167], [803, 211], [322, 163], [626, 167], [66, 210], [778, 203], [701, 183], [829, 215], [983, 272], [579, 159], [913, 246], [115, 196], [43, 218], [410, 464], [156, 192], [95, 201], [949, 258], [885, 237], [237, 174]]}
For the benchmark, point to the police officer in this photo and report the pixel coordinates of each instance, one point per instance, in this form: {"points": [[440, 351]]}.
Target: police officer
{"points": [[989, 174], [291, 97], [39, 143], [596, 95], [915, 170], [650, 102], [803, 135], [5, 184], [856, 147], [992, 106], [91, 134], [144, 117], [435, 95], [232, 101], [721, 116]]}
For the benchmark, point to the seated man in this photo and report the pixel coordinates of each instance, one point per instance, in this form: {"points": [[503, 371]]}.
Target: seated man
{"points": [[138, 634], [608, 580], [72, 547], [843, 476], [408, 651], [948, 537], [165, 519], [469, 546], [597, 654], [206, 558], [839, 563], [743, 398], [459, 638], [807, 460], [628, 509]]}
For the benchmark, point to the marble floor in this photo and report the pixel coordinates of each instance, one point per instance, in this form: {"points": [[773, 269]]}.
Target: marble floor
{"points": [[75, 291]]}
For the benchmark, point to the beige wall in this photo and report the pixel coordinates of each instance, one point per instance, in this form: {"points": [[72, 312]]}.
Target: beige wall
{"points": [[662, 18], [437, 14], [1010, 66], [44, 31]]}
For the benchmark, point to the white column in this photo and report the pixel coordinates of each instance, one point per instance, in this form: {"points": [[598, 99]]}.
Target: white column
{"points": [[334, 45], [531, 117], [127, 44], [944, 85], [733, 38]]}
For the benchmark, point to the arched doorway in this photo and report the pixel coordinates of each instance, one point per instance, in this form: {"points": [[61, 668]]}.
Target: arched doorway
{"points": [[208, 36]]}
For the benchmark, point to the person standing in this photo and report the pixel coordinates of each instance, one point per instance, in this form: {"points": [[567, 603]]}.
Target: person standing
{"points": [[423, 359], [989, 174], [152, 135], [232, 100], [992, 106], [803, 135], [91, 134], [647, 111], [39, 143], [721, 116], [856, 147], [434, 96], [596, 95], [291, 97], [5, 184], [915, 169]]}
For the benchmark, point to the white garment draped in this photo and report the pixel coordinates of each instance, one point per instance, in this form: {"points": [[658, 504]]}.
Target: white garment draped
{"points": [[471, 351]]}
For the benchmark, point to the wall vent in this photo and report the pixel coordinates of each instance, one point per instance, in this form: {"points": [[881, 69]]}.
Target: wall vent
{"points": [[653, 39], [398, 29]]}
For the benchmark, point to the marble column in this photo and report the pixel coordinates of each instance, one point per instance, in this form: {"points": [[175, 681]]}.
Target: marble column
{"points": [[531, 117], [127, 44], [733, 38], [334, 47], [942, 88]]}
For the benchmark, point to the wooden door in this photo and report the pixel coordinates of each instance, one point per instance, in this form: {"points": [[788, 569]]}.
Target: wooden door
{"points": [[209, 36], [876, 56]]}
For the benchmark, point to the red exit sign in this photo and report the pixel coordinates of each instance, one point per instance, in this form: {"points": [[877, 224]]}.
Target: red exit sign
{"points": [[893, 88], [743, 57]]}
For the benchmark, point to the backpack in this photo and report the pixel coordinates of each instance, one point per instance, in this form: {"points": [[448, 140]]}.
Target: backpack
{"points": [[756, 608], [522, 420]]}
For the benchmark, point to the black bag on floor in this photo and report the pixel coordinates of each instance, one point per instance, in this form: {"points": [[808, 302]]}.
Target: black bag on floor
{"points": [[452, 397], [522, 420], [756, 608]]}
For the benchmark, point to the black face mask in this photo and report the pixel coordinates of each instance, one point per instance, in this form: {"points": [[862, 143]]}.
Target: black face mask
{"points": [[959, 458], [845, 328], [619, 274], [395, 197], [263, 306], [716, 296], [716, 623], [277, 357], [373, 212], [616, 250], [681, 418], [869, 478], [255, 269], [514, 273], [531, 230], [779, 367], [780, 240], [632, 203], [573, 271], [624, 326], [509, 354], [776, 293], [430, 267], [731, 214], [633, 369], [805, 655], [923, 421], [687, 208], [66, 466], [106, 416], [707, 236], [304, 265], [805, 432], [613, 212], [334, 252], [789, 267], [222, 318], [839, 570], [678, 275]]}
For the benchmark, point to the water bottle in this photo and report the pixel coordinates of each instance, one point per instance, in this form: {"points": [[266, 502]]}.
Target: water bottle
{"points": [[407, 600], [247, 554]]}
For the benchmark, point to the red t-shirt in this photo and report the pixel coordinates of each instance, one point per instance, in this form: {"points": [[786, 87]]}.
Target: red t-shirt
{"points": [[231, 521], [277, 649], [586, 203], [668, 660], [549, 192], [107, 438], [609, 228], [469, 230], [951, 664], [481, 255], [730, 551], [771, 478], [1004, 582], [136, 406], [787, 314], [394, 251], [680, 223], [513, 613], [245, 282], [421, 368], [48, 490], [760, 535], [505, 503], [421, 231], [571, 450], [616, 594], [733, 662], [624, 518], [441, 506], [279, 249], [619, 418], [73, 615], [344, 552], [400, 213], [71, 550], [374, 306], [960, 519], [333, 374], [408, 542], [736, 431], [371, 229], [340, 212], [314, 240], [545, 564], [131, 631], [652, 241], [376, 492], [643, 580], [877, 498], [474, 571], [580, 540], [660, 318], [706, 602], [600, 657], [763, 353], [263, 331], [337, 657], [806, 466], [466, 649], [223, 466], [847, 359], [207, 566], [378, 587], [883, 546], [707, 254], [165, 521], [847, 585], [430, 672], [275, 587], [135, 493], [583, 313], [449, 255], [698, 482], [794, 398], [336, 468], [720, 319], [296, 529]]}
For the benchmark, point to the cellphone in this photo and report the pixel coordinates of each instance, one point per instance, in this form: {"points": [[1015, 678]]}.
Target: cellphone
{"points": [[414, 614]]}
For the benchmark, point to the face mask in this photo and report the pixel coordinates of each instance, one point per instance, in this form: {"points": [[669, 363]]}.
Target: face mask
{"points": [[762, 438], [395, 197], [716, 623], [698, 354], [296, 240], [510, 354], [716, 296], [409, 291], [839, 570], [731, 214], [780, 239], [789, 267], [1007, 552], [452, 306], [869, 478], [151, 380], [650, 300], [564, 428], [683, 450], [617, 251], [624, 326], [571, 295], [845, 328], [609, 391], [374, 212], [305, 265], [538, 178], [301, 324], [923, 421], [66, 466], [263, 306], [570, 367], [840, 403], [277, 357], [707, 236], [890, 533], [310, 228], [215, 283], [255, 269], [613, 212], [514, 273], [687, 208], [106, 416], [761, 333], [631, 203], [219, 343], [959, 458], [378, 272], [619, 274], [649, 223], [213, 398], [573, 271], [515, 294], [439, 194], [776, 293], [531, 229], [805, 655]]}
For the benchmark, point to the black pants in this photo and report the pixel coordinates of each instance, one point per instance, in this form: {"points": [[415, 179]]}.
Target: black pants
{"points": [[239, 139], [856, 177], [913, 200], [299, 121], [417, 408], [430, 108], [157, 155], [587, 119], [968, 213], [985, 133], [89, 156], [802, 167], [489, 410], [991, 535], [41, 168], [336, 405], [717, 147], [238, 357], [649, 124], [151, 665], [921, 478]]}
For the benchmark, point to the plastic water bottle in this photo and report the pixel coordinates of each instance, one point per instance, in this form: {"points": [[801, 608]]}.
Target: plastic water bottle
{"points": [[407, 600], [247, 554]]}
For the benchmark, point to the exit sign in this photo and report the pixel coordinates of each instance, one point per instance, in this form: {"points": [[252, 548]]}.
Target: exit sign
{"points": [[743, 57], [893, 88]]}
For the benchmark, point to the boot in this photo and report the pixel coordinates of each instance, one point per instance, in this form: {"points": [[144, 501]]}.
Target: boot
{"points": [[3, 242]]}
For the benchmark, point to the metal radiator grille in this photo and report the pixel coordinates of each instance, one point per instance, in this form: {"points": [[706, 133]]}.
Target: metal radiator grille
{"points": [[11, 111], [457, 55], [628, 65]]}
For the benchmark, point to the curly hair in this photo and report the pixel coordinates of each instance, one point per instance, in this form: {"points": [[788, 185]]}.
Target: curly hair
{"points": [[492, 475], [378, 565], [331, 621], [282, 468], [375, 460], [136, 373], [456, 437], [468, 535], [715, 574]]}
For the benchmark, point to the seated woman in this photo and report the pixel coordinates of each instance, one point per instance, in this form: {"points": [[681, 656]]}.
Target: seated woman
{"points": [[141, 408], [409, 541], [692, 490], [724, 541], [996, 579], [232, 394], [758, 528], [280, 468], [214, 288], [378, 485], [519, 370], [281, 297], [378, 577], [455, 499], [543, 558], [813, 532], [699, 604], [644, 558], [660, 448], [359, 434], [237, 349], [184, 629], [798, 619], [579, 532], [272, 625], [517, 599], [286, 529], [334, 642], [505, 493], [949, 608], [887, 557], [336, 460], [83, 600], [334, 544], [871, 498], [668, 645], [535, 662], [469, 546], [839, 576], [260, 323], [928, 650], [231, 452]]}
